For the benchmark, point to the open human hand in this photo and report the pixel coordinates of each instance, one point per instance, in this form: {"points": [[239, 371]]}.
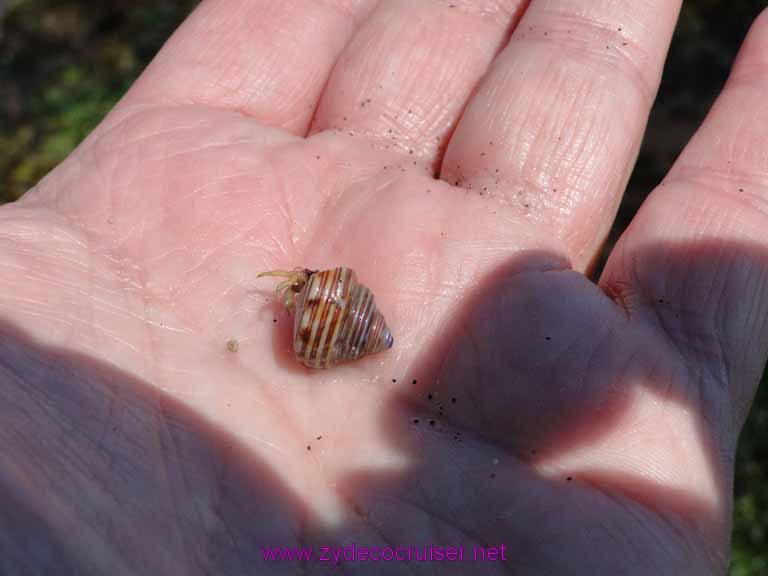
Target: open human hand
{"points": [[466, 158]]}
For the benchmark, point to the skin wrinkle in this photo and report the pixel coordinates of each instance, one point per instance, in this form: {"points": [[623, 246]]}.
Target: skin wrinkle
{"points": [[742, 401], [169, 455], [578, 147], [411, 568], [719, 181], [665, 383], [665, 330], [709, 335], [458, 470], [637, 279], [224, 526], [629, 505], [720, 320], [542, 190], [381, 139], [753, 272], [661, 542], [230, 63], [696, 399], [564, 353], [623, 175], [380, 533], [609, 333], [211, 182], [435, 516], [40, 473], [103, 139], [289, 221], [188, 489], [382, 133], [500, 12], [153, 364], [90, 279], [118, 121], [590, 41], [612, 183], [165, 157], [740, 129], [124, 144], [89, 291]]}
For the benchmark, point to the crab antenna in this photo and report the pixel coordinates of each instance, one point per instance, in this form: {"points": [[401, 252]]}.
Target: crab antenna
{"points": [[280, 273]]}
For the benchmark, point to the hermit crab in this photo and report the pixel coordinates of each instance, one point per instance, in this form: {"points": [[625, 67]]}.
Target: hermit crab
{"points": [[336, 317]]}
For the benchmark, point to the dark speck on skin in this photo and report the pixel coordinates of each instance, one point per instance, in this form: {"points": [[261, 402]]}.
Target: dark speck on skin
{"points": [[431, 422], [415, 420]]}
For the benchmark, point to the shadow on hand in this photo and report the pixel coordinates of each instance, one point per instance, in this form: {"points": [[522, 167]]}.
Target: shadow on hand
{"points": [[102, 473], [538, 363]]}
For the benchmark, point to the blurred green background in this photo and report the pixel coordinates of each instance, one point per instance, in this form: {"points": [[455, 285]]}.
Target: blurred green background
{"points": [[63, 65]]}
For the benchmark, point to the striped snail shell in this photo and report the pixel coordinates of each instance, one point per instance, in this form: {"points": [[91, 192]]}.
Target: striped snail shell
{"points": [[336, 317]]}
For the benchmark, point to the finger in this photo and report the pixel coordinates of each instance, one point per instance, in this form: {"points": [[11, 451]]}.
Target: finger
{"points": [[556, 125], [266, 59], [409, 70], [694, 262]]}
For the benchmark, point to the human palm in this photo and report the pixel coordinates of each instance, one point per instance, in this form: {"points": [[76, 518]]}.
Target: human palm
{"points": [[588, 429]]}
